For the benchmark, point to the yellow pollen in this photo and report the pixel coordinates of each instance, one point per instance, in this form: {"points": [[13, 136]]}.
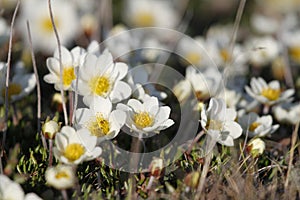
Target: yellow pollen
{"points": [[225, 55], [295, 53], [74, 151], [143, 119], [271, 94], [13, 89], [144, 19], [100, 85], [99, 127], [68, 75], [46, 24], [253, 126], [214, 125], [193, 57], [61, 174]]}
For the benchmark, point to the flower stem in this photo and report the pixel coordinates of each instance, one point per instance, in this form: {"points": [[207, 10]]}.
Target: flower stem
{"points": [[266, 109], [71, 107], [50, 152], [64, 194], [150, 183]]}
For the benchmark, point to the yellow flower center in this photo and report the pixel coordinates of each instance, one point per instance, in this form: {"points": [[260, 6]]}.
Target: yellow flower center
{"points": [[225, 55], [214, 125], [100, 85], [295, 53], [99, 127], [13, 89], [74, 151], [144, 19], [193, 57], [46, 24], [271, 94], [253, 126], [68, 75], [61, 174], [143, 119]]}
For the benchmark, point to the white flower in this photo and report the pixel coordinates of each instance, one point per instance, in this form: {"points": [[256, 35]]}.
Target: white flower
{"points": [[146, 117], [182, 90], [256, 146], [146, 13], [75, 147], [270, 93], [19, 87], [263, 50], [60, 177], [291, 40], [10, 190], [100, 76], [204, 84], [37, 13], [100, 120], [259, 21], [218, 122], [70, 60], [254, 125], [196, 51], [232, 98], [287, 113]]}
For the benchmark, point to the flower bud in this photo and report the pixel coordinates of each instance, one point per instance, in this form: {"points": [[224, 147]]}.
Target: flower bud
{"points": [[256, 147], [156, 167], [50, 128], [192, 179]]}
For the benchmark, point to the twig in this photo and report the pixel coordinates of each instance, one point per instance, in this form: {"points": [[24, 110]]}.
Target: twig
{"points": [[7, 83], [38, 88], [60, 63], [294, 139], [199, 135]]}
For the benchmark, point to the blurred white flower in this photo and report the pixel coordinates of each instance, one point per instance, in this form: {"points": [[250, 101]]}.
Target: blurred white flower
{"points": [[232, 98], [262, 50], [146, 117], [70, 60], [182, 90], [37, 13], [204, 83], [100, 120], [75, 147], [10, 190], [258, 22], [270, 93], [60, 177], [292, 41], [256, 126], [100, 76], [147, 13], [20, 85], [196, 51], [287, 113], [218, 122], [256, 146]]}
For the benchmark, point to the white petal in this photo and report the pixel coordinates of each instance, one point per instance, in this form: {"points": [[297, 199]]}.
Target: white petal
{"points": [[120, 92], [83, 115], [101, 105]]}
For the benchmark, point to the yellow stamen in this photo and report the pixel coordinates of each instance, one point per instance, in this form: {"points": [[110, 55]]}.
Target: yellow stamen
{"points": [[99, 126], [74, 151], [225, 55], [214, 125], [143, 119], [271, 94], [144, 19], [253, 126], [46, 24], [100, 85], [61, 174], [193, 57], [68, 75], [295, 53], [13, 89]]}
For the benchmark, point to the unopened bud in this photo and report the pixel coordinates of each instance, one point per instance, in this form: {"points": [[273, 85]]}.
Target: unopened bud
{"points": [[50, 128], [156, 167], [256, 147]]}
